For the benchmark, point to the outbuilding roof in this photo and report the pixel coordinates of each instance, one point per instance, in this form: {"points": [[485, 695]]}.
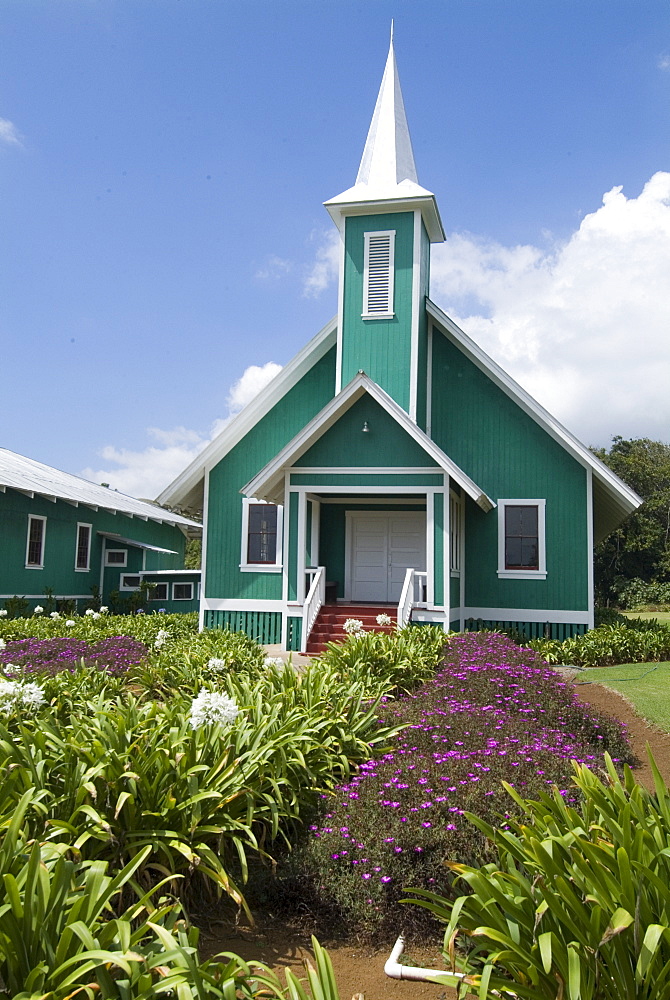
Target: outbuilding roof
{"points": [[32, 478]]}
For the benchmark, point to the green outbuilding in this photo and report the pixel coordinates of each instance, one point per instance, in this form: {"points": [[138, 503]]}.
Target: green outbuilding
{"points": [[392, 466], [68, 543]]}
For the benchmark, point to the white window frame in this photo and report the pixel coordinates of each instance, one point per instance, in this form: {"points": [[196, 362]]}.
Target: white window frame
{"points": [[122, 585], [153, 592], [378, 313], [87, 567], [247, 567], [523, 574], [179, 583], [116, 565], [31, 518]]}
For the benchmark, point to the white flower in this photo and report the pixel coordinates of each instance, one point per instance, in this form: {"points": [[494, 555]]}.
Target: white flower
{"points": [[20, 694], [161, 636], [38, 609], [384, 619], [3, 613], [353, 626], [215, 663], [2, 643], [104, 609], [69, 622], [273, 661], [89, 612], [96, 614], [54, 615], [211, 708]]}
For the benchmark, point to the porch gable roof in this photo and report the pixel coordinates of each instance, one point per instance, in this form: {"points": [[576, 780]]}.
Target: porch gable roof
{"points": [[268, 483]]}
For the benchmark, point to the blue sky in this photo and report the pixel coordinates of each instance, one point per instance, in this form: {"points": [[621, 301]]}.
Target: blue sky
{"points": [[163, 165]]}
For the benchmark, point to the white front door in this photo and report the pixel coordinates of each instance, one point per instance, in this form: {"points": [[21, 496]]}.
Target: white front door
{"points": [[382, 547]]}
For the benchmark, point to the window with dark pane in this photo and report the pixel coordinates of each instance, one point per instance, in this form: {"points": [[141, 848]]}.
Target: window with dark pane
{"points": [[83, 539], [35, 541], [262, 535], [521, 538]]}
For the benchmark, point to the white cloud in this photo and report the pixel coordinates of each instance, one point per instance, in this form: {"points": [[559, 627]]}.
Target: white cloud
{"points": [[325, 268], [274, 268], [147, 472], [584, 325], [9, 133], [664, 61]]}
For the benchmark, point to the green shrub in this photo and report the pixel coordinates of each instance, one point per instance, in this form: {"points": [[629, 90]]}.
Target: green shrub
{"points": [[401, 659], [635, 642], [637, 594], [576, 903]]}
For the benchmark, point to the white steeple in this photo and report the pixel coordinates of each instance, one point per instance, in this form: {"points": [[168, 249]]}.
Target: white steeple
{"points": [[388, 158], [387, 173]]}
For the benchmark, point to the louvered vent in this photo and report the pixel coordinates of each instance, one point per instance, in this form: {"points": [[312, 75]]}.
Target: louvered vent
{"points": [[378, 275]]}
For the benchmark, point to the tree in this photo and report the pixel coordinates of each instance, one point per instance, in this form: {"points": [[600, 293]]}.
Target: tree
{"points": [[640, 547]]}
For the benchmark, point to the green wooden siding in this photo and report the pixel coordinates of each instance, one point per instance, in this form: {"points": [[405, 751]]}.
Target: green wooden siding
{"points": [[380, 347], [293, 633], [454, 592], [292, 523], [263, 626], [343, 480], [270, 434], [424, 281], [386, 443], [509, 456], [58, 573]]}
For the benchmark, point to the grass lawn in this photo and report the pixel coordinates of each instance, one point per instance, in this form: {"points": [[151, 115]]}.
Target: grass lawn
{"points": [[646, 685], [660, 616]]}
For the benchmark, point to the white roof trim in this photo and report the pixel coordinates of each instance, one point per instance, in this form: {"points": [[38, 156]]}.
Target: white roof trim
{"points": [[268, 483], [247, 418], [35, 479], [120, 540], [628, 498]]}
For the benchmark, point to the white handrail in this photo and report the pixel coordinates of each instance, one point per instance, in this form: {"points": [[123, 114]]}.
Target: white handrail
{"points": [[413, 594], [310, 609], [406, 598]]}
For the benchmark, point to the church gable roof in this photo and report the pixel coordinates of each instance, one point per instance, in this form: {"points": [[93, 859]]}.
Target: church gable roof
{"points": [[268, 484]]}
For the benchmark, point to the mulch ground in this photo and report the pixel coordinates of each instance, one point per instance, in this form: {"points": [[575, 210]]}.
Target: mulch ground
{"points": [[360, 969]]}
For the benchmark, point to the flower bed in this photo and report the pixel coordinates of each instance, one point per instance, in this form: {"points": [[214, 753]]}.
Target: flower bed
{"points": [[115, 655], [495, 712]]}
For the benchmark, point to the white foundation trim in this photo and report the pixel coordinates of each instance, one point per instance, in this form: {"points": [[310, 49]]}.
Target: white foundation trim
{"points": [[552, 616]]}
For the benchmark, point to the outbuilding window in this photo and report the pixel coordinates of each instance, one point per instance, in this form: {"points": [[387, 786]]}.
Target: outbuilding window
{"points": [[378, 275], [521, 539], [182, 591], [159, 592], [37, 526], [83, 550], [261, 536]]}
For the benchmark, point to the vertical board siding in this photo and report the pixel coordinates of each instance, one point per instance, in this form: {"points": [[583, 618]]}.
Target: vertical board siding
{"points": [[292, 522], [424, 280], [293, 634], [263, 626], [380, 347], [532, 630], [346, 444], [508, 455], [264, 440]]}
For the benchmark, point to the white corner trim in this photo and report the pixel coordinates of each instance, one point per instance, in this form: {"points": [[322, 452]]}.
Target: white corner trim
{"points": [[550, 615], [414, 319], [589, 546], [523, 574]]}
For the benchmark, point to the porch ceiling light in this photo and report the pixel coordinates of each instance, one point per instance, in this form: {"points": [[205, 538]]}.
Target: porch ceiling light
{"points": [[366, 427]]}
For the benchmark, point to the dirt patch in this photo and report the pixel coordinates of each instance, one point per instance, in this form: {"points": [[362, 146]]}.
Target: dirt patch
{"points": [[360, 969]]}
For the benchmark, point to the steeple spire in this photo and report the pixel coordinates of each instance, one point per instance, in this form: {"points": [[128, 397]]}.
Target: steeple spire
{"points": [[387, 179], [388, 158]]}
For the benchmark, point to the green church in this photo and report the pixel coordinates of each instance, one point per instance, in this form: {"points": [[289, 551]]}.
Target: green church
{"points": [[392, 467]]}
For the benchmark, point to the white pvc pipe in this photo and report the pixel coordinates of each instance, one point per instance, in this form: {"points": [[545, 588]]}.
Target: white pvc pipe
{"points": [[394, 970]]}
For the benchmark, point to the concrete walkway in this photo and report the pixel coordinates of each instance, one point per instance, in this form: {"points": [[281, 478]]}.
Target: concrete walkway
{"points": [[297, 659]]}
